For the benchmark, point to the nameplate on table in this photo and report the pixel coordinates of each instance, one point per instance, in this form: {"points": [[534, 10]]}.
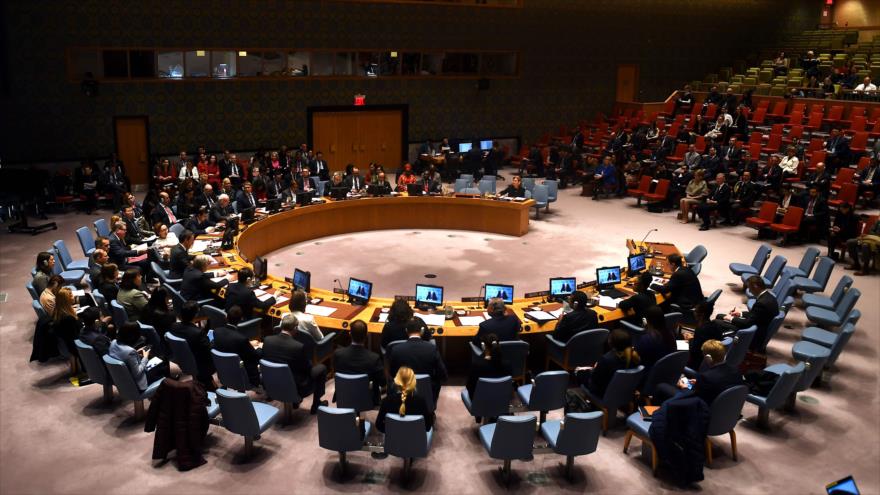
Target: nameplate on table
{"points": [[319, 310], [472, 299], [337, 290], [584, 285], [540, 293], [405, 298]]}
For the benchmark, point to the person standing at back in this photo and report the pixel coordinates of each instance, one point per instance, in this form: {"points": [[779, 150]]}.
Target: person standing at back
{"points": [[395, 326]]}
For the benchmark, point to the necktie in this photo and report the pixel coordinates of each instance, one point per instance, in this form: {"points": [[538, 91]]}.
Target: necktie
{"points": [[251, 200], [234, 169], [810, 208], [171, 217]]}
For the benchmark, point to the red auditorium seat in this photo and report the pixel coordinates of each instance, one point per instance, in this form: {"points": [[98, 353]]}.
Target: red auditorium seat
{"points": [[859, 143], [643, 188], [791, 222], [815, 122], [659, 193], [855, 111], [778, 110], [678, 154], [758, 117], [844, 176], [835, 113], [773, 145], [848, 194], [765, 215], [794, 135]]}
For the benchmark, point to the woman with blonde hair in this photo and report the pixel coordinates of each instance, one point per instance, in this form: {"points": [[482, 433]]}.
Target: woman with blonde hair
{"points": [[66, 324], [404, 400], [697, 190]]}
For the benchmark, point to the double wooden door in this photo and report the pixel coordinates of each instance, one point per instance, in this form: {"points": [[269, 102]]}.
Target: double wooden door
{"points": [[359, 137]]}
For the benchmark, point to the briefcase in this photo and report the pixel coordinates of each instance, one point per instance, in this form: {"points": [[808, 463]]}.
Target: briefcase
{"points": [[754, 361]]}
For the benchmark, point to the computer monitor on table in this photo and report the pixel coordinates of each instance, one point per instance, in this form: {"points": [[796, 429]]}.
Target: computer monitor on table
{"points": [[247, 214], [501, 291], [261, 268], [338, 192], [429, 296], [635, 264], [359, 291], [415, 190], [273, 205], [845, 486], [465, 147], [304, 198], [607, 277], [562, 287], [486, 144], [302, 280]]}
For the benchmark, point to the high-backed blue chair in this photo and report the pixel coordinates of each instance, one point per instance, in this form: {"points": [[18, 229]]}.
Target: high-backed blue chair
{"points": [[461, 185], [740, 346], [163, 275], [353, 392], [338, 431], [783, 291], [244, 417], [126, 386], [696, 255], [176, 229], [178, 301], [778, 395], [230, 370], [667, 370], [580, 436], [724, 413], [405, 437], [509, 439], [216, 316], [322, 187], [618, 394], [813, 357], [834, 341], [774, 326], [757, 264], [582, 349], [102, 228], [774, 270], [491, 398], [182, 354], [424, 389], [545, 393], [120, 317], [837, 317], [697, 268], [487, 185], [471, 191], [95, 368], [32, 291], [820, 278], [829, 302], [467, 177], [552, 191], [38, 309], [514, 355], [86, 240], [528, 183], [151, 336], [71, 277], [67, 260], [541, 197], [672, 322], [811, 255], [279, 384]]}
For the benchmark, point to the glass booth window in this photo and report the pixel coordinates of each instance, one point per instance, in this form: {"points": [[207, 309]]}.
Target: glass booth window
{"points": [[198, 63], [170, 64]]}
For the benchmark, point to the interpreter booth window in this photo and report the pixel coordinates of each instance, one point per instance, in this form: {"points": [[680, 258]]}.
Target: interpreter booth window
{"points": [[198, 63], [170, 64]]}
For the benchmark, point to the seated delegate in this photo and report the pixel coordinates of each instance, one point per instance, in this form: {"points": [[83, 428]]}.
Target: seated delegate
{"points": [[504, 326], [404, 400]]}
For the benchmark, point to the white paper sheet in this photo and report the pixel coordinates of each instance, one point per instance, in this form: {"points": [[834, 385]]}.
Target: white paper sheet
{"points": [[557, 313], [281, 299], [199, 246], [383, 317], [259, 292], [139, 247], [682, 345], [541, 315], [218, 279], [608, 302], [319, 310], [264, 297], [470, 320], [433, 320]]}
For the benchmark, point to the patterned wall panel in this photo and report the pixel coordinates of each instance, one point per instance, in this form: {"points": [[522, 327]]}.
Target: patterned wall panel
{"points": [[569, 53]]}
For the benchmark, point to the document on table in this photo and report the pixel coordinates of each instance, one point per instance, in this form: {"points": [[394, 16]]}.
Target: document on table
{"points": [[435, 320], [139, 247], [199, 246], [319, 310], [281, 299], [540, 316], [557, 313], [263, 297], [468, 321], [383, 317], [609, 302], [218, 279]]}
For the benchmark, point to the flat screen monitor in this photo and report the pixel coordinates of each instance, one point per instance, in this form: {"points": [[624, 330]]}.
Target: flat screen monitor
{"points": [[845, 486], [504, 292], [273, 205], [260, 269], [636, 263], [608, 276], [304, 198], [247, 214], [339, 192], [429, 295], [302, 280], [359, 290], [562, 287], [486, 144], [415, 190], [465, 147]]}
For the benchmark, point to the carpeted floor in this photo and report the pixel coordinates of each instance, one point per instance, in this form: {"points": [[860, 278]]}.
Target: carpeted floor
{"points": [[55, 438]]}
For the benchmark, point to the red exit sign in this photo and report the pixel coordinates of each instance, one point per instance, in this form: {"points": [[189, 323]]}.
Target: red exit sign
{"points": [[360, 100]]}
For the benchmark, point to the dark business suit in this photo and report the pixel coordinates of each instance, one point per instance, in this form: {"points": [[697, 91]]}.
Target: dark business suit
{"points": [[393, 331], [240, 295], [506, 327], [206, 200], [574, 322], [814, 224], [415, 406], [761, 315], [219, 213], [159, 215], [313, 186], [119, 252], [639, 303], [721, 197], [354, 182], [320, 169], [133, 234], [245, 201], [198, 343], [717, 379], [357, 359], [198, 285], [711, 330], [229, 339], [179, 260], [422, 357], [683, 288], [284, 349]]}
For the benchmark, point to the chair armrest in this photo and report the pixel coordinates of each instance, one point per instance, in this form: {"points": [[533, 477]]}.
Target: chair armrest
{"points": [[632, 328], [477, 351], [555, 343]]}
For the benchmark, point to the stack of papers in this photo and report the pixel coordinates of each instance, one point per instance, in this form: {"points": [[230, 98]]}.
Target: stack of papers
{"points": [[139, 247], [433, 320], [557, 313], [468, 321], [199, 246], [263, 297], [281, 299], [609, 302], [218, 279], [383, 317], [319, 310]]}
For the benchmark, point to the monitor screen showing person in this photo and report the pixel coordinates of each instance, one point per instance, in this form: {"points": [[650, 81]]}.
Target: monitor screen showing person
{"points": [[503, 292], [636, 263], [562, 287], [359, 290], [608, 276], [431, 295], [465, 147], [302, 280], [486, 144]]}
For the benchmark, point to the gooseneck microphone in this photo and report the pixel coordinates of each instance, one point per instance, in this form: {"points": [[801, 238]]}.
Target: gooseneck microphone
{"points": [[644, 247]]}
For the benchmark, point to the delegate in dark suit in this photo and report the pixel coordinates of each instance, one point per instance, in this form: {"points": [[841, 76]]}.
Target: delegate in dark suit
{"points": [[719, 201], [683, 288], [422, 357], [717, 379], [761, 315], [415, 406], [283, 348], [219, 213], [574, 322], [179, 260], [197, 340], [357, 359], [229, 339], [241, 295], [506, 327], [638, 303], [119, 252], [198, 285]]}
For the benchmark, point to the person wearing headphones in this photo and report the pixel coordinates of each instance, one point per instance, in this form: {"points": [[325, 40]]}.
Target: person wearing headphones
{"points": [[505, 326], [45, 268], [580, 318]]}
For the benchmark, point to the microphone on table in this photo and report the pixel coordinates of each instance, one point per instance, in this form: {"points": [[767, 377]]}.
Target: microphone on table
{"points": [[644, 247], [341, 290]]}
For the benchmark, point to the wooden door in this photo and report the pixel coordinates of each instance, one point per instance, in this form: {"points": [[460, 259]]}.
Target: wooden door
{"points": [[359, 137], [627, 82], [133, 148], [379, 138]]}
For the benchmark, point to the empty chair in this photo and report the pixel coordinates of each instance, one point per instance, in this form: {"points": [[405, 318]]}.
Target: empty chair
{"points": [[771, 274], [95, 368], [836, 317], [541, 197], [552, 191], [216, 316], [461, 185], [405, 437], [244, 417], [814, 358], [696, 268], [833, 341], [67, 260], [71, 277], [182, 355], [778, 395], [487, 185], [739, 346], [791, 223], [827, 302], [667, 369], [102, 228], [765, 217], [811, 255], [618, 394], [467, 177], [230, 370], [353, 392], [279, 384], [696, 255], [528, 183], [86, 240], [509, 439], [580, 436], [583, 349], [338, 431], [724, 413], [546, 393], [176, 229], [820, 278], [126, 386], [163, 276], [491, 398], [471, 191]]}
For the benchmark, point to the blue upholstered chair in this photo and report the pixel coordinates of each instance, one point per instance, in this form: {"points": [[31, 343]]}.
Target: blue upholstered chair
{"points": [[102, 228], [580, 436], [509, 439], [757, 264], [244, 417], [813, 357], [514, 355], [552, 191], [120, 316], [724, 413], [778, 395], [126, 386], [67, 260], [405, 437], [833, 341], [32, 291], [71, 277], [696, 255], [279, 385], [338, 431], [774, 326], [667, 369], [467, 177], [541, 196], [216, 316], [545, 393], [151, 336], [829, 302], [86, 240], [163, 275], [528, 183], [487, 185], [618, 394], [820, 278], [641, 429], [491, 398], [181, 354], [353, 392], [837, 317], [740, 346], [773, 272], [95, 368], [672, 322], [230, 370], [582, 349], [178, 301], [177, 229], [784, 292], [462, 184], [811, 255]]}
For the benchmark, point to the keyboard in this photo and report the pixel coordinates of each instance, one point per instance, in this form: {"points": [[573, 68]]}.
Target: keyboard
{"points": [[614, 293]]}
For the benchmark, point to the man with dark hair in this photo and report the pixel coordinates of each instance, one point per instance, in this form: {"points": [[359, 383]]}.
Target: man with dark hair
{"points": [[358, 359], [580, 318], [683, 287], [241, 295], [197, 340], [505, 326], [180, 257], [284, 348], [419, 355], [228, 338], [761, 315], [197, 283]]}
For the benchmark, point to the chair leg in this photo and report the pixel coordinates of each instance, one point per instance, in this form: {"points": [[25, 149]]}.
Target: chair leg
{"points": [[627, 440], [407, 466], [654, 460], [542, 418], [733, 443], [505, 471], [763, 417], [569, 468], [342, 462], [604, 421], [138, 410], [108, 392], [790, 402], [248, 446], [708, 452]]}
